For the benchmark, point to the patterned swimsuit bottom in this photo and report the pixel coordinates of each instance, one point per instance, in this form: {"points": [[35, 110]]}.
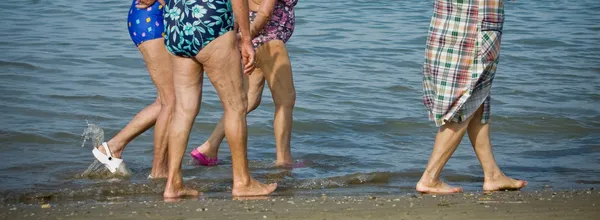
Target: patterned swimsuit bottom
{"points": [[280, 27], [145, 24], [191, 24]]}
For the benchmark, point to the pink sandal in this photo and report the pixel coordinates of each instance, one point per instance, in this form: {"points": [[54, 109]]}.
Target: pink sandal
{"points": [[203, 159]]}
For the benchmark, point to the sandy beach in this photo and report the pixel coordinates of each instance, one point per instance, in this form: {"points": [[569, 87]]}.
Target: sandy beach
{"points": [[576, 204]]}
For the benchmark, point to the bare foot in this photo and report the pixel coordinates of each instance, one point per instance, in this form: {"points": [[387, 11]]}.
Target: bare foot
{"points": [[206, 149], [503, 183], [179, 193], [254, 188], [437, 188], [159, 170], [156, 174]]}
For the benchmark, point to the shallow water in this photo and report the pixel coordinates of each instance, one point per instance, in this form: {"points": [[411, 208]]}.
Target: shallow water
{"points": [[359, 124]]}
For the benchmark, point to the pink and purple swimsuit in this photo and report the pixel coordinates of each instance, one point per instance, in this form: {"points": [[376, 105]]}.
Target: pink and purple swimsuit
{"points": [[281, 25]]}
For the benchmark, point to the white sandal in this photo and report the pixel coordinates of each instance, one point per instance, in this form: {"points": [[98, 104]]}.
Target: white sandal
{"points": [[112, 163]]}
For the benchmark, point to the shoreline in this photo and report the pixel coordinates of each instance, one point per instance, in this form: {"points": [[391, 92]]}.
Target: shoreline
{"points": [[547, 205]]}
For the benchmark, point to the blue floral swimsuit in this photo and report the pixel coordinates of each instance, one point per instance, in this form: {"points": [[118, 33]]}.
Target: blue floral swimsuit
{"points": [[191, 24], [145, 24]]}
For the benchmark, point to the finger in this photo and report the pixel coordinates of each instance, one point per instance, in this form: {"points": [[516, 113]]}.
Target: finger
{"points": [[244, 62], [142, 6], [252, 58], [252, 61], [249, 68]]}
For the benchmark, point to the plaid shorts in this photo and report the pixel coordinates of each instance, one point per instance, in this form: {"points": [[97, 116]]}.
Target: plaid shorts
{"points": [[462, 53]]}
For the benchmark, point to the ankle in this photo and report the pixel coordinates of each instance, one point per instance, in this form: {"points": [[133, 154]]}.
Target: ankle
{"points": [[430, 179], [284, 160], [494, 175], [429, 182], [174, 182], [242, 182], [116, 147], [204, 146], [208, 149]]}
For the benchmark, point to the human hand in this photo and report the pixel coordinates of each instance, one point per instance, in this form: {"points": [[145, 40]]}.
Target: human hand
{"points": [[248, 56], [142, 4]]}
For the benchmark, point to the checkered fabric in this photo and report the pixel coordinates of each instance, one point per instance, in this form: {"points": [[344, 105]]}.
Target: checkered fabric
{"points": [[462, 52]]}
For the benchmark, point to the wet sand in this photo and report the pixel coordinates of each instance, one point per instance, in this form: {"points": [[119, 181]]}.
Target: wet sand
{"points": [[546, 205]]}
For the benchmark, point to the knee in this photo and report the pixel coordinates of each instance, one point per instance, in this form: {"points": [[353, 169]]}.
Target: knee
{"points": [[286, 101], [167, 103], [186, 109], [237, 106], [157, 102]]}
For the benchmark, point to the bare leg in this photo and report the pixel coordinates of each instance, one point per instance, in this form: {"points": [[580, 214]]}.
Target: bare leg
{"points": [[143, 121], [494, 178], [446, 141], [221, 59], [276, 65], [255, 84], [159, 66], [187, 78], [157, 62]]}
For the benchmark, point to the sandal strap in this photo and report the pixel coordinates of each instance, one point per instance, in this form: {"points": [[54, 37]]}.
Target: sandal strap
{"points": [[105, 145]]}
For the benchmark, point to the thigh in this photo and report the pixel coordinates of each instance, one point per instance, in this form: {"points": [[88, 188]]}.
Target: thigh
{"points": [[222, 62], [158, 63], [274, 61], [187, 79]]}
